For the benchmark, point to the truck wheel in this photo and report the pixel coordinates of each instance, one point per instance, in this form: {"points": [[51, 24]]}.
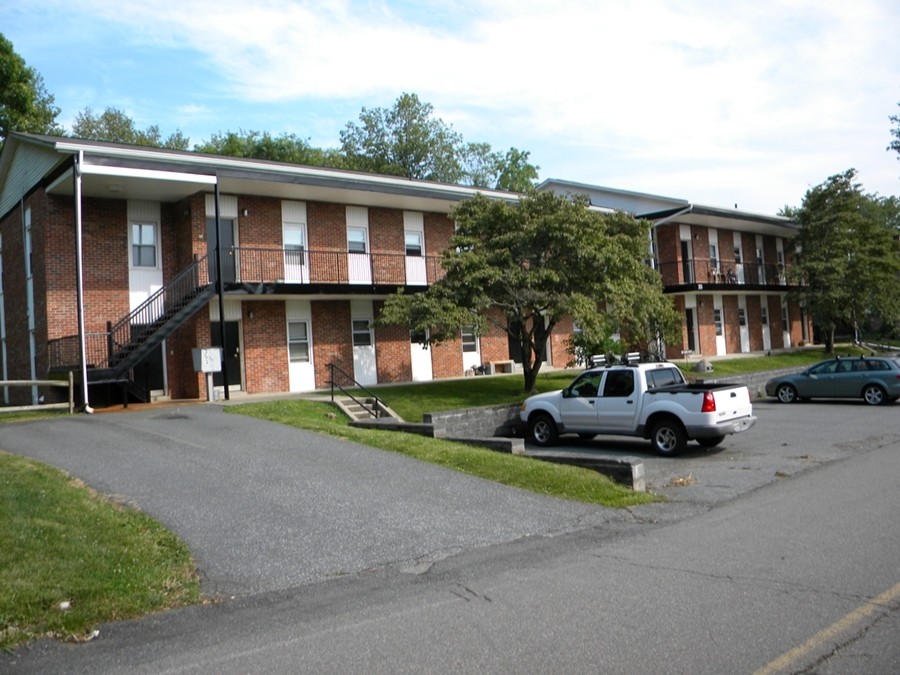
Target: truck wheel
{"points": [[710, 442], [668, 437], [543, 430]]}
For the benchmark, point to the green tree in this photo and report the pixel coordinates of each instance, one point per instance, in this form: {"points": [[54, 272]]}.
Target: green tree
{"points": [[538, 260], [848, 258], [116, 127], [405, 140], [288, 148], [482, 167], [895, 132], [25, 104]]}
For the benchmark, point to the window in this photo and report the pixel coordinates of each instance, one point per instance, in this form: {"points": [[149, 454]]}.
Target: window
{"points": [[586, 385], [298, 341], [469, 340], [619, 383], [413, 243], [764, 316], [717, 320], [294, 243], [362, 334], [714, 256], [742, 316], [356, 240], [143, 245], [663, 377]]}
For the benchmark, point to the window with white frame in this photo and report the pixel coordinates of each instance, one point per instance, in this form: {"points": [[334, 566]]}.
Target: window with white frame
{"points": [[742, 316], [143, 244], [717, 320], [298, 341], [362, 334], [469, 339], [356, 240], [413, 241]]}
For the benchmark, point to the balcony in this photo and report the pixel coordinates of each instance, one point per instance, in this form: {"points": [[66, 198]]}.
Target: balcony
{"points": [[706, 274], [322, 269]]}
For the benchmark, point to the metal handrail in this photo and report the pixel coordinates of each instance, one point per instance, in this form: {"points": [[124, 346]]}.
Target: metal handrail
{"points": [[378, 402]]}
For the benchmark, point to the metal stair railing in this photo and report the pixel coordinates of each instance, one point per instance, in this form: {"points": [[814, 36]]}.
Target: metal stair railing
{"points": [[375, 407]]}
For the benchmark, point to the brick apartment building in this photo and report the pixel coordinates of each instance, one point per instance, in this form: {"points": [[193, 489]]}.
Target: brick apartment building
{"points": [[725, 269], [108, 266], [308, 256]]}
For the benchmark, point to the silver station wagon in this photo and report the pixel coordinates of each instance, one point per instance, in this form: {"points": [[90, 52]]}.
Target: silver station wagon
{"points": [[874, 379]]}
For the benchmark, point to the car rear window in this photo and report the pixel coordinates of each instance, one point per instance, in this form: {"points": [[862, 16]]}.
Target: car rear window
{"points": [[663, 377]]}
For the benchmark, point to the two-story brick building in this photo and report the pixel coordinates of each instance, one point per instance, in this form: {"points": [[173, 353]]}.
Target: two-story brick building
{"points": [[109, 250], [725, 269]]}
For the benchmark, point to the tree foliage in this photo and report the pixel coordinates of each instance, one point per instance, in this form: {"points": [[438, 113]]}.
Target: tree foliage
{"points": [[115, 126], [848, 259], [288, 148], [407, 140], [895, 132], [25, 104], [533, 263]]}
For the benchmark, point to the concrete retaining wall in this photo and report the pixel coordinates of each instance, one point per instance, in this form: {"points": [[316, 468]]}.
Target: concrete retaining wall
{"points": [[475, 422]]}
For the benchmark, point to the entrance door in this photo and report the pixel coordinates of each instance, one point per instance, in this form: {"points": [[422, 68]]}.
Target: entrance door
{"points": [[471, 348], [691, 336], [231, 356], [301, 369], [687, 265], [785, 326], [414, 240], [764, 320], [739, 258], [721, 347], [365, 369], [226, 231], [742, 323], [420, 357], [296, 262], [358, 262]]}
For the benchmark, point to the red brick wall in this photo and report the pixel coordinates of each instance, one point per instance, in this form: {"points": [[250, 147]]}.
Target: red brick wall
{"points": [[265, 346], [754, 323], [706, 327], [392, 351], [388, 246], [776, 326], [559, 343], [732, 327], [446, 359], [668, 252], [332, 338]]}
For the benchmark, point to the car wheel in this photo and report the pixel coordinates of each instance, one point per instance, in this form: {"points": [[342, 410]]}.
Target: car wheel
{"points": [[543, 430], [786, 393], [874, 395], [668, 437], [710, 442]]}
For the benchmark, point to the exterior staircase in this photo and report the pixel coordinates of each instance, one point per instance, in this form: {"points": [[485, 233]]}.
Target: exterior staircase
{"points": [[365, 409]]}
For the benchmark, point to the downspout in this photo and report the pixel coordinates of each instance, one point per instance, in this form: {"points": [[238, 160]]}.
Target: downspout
{"points": [[77, 161], [221, 293]]}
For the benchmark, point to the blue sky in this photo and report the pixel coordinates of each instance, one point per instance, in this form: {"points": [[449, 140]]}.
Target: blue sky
{"points": [[721, 103]]}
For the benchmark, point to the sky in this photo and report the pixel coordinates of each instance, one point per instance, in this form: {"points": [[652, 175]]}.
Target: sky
{"points": [[744, 103]]}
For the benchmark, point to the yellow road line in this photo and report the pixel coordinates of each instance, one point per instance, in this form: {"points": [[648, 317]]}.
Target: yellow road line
{"points": [[856, 616]]}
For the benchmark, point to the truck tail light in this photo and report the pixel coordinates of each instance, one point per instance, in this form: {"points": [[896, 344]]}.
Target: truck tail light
{"points": [[709, 403]]}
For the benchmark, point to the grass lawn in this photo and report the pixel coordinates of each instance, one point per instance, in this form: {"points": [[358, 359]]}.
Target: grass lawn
{"points": [[545, 478], [70, 560]]}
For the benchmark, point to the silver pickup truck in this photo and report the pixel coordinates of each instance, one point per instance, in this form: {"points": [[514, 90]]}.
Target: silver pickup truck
{"points": [[647, 400]]}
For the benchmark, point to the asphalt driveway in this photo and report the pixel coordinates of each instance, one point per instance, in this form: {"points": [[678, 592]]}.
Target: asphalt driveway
{"points": [[264, 507]]}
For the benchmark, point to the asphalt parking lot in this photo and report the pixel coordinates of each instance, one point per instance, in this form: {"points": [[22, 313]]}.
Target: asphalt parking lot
{"points": [[786, 439]]}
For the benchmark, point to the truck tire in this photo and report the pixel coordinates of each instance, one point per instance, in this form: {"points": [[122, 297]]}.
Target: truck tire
{"points": [[543, 430], [668, 437]]}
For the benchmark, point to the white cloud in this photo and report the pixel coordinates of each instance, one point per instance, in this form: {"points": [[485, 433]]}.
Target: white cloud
{"points": [[694, 96]]}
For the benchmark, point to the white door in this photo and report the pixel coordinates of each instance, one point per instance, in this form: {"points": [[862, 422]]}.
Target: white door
{"points": [[617, 405], [296, 257], [739, 258], [358, 259], [786, 325], [471, 348], [779, 253], [719, 323], [145, 275], [742, 323], [420, 357], [301, 370], [364, 366], [414, 239], [764, 320]]}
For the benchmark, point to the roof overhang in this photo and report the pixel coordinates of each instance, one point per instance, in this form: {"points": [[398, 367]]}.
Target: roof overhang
{"points": [[725, 219], [128, 172]]}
